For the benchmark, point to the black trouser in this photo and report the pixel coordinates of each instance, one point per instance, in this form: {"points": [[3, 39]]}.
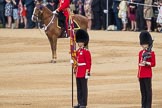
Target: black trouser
{"points": [[118, 22], [104, 21], [96, 20], [2, 18], [140, 19], [82, 91], [146, 92], [109, 19], [30, 23]]}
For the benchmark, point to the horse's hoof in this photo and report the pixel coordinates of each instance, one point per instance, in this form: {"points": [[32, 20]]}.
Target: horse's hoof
{"points": [[53, 61]]}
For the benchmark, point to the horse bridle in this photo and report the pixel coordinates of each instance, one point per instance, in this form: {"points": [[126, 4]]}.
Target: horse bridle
{"points": [[39, 18], [39, 15]]}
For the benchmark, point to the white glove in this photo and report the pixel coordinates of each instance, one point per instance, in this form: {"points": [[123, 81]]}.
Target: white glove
{"points": [[145, 63], [55, 12], [105, 11], [71, 61], [87, 75], [141, 64]]}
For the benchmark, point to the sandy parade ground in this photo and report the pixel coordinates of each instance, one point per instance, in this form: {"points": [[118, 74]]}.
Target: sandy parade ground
{"points": [[29, 80]]}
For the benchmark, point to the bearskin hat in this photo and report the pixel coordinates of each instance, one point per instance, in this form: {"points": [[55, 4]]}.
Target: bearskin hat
{"points": [[145, 38], [82, 36]]}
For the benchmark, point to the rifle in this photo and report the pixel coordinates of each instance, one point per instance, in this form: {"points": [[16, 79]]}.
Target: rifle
{"points": [[147, 54]]}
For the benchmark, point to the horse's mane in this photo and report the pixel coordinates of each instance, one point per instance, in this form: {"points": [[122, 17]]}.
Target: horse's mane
{"points": [[48, 9]]}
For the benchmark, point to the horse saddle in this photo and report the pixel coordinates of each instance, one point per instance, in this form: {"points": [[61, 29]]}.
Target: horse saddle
{"points": [[61, 22], [60, 25]]}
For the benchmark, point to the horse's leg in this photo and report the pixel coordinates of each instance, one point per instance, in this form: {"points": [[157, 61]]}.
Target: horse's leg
{"points": [[51, 44], [53, 47]]}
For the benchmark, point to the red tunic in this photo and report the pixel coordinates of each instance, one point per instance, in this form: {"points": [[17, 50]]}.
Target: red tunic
{"points": [[84, 62], [146, 71], [64, 4]]}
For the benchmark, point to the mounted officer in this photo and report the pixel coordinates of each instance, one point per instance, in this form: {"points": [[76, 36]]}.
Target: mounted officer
{"points": [[63, 13]]}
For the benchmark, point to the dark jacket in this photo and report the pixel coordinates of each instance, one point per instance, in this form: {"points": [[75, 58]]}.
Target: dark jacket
{"points": [[29, 4], [110, 4], [56, 4], [52, 8], [104, 4], [15, 6], [115, 5], [2, 4], [139, 7], [96, 7]]}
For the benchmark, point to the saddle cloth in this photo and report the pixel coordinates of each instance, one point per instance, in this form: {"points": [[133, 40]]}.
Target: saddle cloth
{"points": [[76, 25]]}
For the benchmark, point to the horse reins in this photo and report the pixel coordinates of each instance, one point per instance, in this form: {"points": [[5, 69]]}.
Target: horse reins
{"points": [[45, 27], [37, 17]]}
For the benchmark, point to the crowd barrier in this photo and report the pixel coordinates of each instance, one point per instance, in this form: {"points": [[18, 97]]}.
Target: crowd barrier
{"points": [[140, 4]]}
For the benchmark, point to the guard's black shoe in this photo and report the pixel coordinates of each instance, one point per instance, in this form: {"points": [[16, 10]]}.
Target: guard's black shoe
{"points": [[82, 107], [77, 106]]}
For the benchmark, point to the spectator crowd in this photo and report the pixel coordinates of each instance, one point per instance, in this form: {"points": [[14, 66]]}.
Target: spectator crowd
{"points": [[132, 15], [16, 13]]}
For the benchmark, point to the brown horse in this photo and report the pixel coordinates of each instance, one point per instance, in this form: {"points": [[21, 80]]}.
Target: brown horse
{"points": [[43, 14]]}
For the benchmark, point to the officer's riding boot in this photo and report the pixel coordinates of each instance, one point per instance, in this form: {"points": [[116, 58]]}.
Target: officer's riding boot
{"points": [[63, 33]]}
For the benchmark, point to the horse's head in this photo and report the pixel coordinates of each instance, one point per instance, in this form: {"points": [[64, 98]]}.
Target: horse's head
{"points": [[41, 12], [38, 11]]}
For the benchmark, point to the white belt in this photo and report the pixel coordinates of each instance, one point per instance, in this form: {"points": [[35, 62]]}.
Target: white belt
{"points": [[81, 64]]}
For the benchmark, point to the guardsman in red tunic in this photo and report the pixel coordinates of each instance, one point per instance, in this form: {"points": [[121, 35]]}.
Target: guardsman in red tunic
{"points": [[146, 62], [64, 8], [83, 68]]}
